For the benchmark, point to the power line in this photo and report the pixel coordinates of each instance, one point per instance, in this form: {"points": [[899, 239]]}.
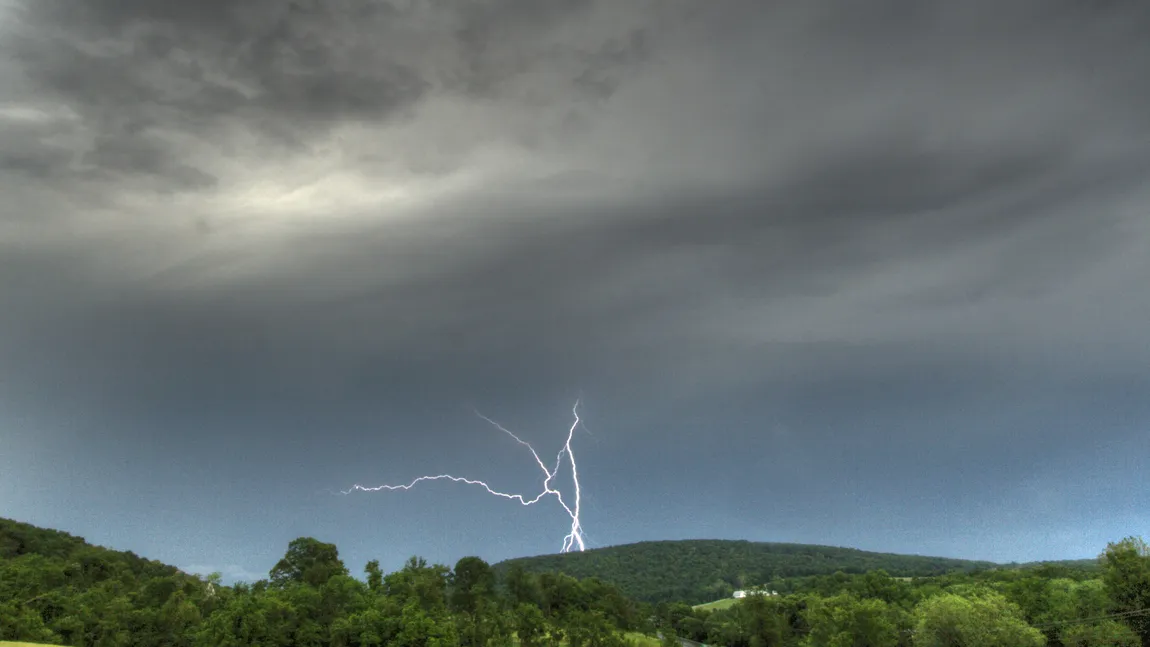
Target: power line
{"points": [[1124, 614]]}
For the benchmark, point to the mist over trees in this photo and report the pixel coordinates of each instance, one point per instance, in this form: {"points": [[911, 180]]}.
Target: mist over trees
{"points": [[56, 588]]}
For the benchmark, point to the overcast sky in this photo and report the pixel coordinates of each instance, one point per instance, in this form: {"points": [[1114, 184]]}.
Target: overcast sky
{"points": [[864, 274]]}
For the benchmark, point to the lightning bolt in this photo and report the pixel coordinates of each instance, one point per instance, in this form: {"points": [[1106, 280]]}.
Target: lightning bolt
{"points": [[574, 539]]}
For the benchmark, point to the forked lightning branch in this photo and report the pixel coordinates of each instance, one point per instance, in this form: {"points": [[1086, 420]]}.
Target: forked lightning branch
{"points": [[574, 539]]}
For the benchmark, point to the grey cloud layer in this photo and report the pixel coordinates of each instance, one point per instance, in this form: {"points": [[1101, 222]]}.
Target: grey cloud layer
{"points": [[136, 71], [731, 183]]}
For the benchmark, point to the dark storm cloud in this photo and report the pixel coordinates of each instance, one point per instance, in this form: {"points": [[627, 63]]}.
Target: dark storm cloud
{"points": [[911, 234], [26, 152], [960, 142], [287, 70], [139, 155], [615, 297]]}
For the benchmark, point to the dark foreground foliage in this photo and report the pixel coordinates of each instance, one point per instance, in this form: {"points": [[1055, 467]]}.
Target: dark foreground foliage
{"points": [[55, 588], [1104, 604]]}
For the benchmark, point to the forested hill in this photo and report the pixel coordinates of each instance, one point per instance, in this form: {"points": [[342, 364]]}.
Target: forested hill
{"points": [[701, 570], [57, 589], [19, 539]]}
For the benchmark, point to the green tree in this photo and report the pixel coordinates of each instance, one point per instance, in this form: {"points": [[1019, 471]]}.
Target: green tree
{"points": [[22, 623], [560, 593], [307, 560], [374, 575], [530, 625], [1107, 633], [1032, 594], [757, 621], [590, 629], [987, 620], [847, 621], [178, 619], [523, 587], [471, 580], [722, 629], [881, 586], [1126, 572], [417, 580], [420, 628], [374, 626], [1091, 599], [609, 600]]}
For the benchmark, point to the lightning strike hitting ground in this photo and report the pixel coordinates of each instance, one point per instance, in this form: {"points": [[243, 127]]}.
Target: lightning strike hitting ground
{"points": [[575, 538]]}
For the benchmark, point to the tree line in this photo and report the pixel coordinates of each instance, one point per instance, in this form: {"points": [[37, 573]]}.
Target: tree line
{"points": [[55, 588], [1107, 605], [709, 569]]}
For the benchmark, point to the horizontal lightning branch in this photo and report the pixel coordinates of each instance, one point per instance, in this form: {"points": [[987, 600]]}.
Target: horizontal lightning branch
{"points": [[574, 539]]}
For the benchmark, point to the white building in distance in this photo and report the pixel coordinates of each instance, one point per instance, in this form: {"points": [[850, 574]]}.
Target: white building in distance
{"points": [[739, 595]]}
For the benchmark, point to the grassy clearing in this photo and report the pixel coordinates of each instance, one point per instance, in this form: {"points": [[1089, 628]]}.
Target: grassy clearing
{"points": [[717, 604], [642, 640], [5, 643]]}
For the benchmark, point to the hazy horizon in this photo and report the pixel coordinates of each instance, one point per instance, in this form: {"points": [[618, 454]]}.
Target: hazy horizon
{"points": [[231, 577]]}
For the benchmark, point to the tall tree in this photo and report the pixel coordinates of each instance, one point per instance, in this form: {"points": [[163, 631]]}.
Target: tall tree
{"points": [[530, 625], [426, 584], [374, 575], [471, 579], [847, 621], [523, 586], [987, 620], [1127, 576], [472, 597], [308, 561], [765, 620], [1107, 633]]}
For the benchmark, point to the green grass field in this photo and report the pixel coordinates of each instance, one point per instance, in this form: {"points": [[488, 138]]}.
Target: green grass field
{"points": [[717, 604], [5, 643], [642, 640]]}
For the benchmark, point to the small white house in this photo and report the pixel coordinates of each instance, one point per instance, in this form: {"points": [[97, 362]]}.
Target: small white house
{"points": [[739, 595]]}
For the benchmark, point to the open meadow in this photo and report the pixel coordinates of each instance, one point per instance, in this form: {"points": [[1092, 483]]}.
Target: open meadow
{"points": [[716, 605]]}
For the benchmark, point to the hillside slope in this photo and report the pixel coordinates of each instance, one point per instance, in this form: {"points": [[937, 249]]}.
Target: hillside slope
{"points": [[57, 588], [701, 570], [18, 539]]}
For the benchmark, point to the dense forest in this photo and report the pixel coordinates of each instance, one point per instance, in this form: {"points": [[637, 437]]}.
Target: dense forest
{"points": [[56, 588], [1057, 605], [705, 570]]}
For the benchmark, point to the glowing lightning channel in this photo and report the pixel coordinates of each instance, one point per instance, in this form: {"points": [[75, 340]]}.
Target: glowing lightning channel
{"points": [[574, 539]]}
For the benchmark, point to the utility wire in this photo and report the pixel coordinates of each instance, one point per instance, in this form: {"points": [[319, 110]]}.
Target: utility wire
{"points": [[1124, 614]]}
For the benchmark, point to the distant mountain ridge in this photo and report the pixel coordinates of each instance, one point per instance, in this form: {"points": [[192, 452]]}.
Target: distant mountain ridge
{"points": [[702, 570]]}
